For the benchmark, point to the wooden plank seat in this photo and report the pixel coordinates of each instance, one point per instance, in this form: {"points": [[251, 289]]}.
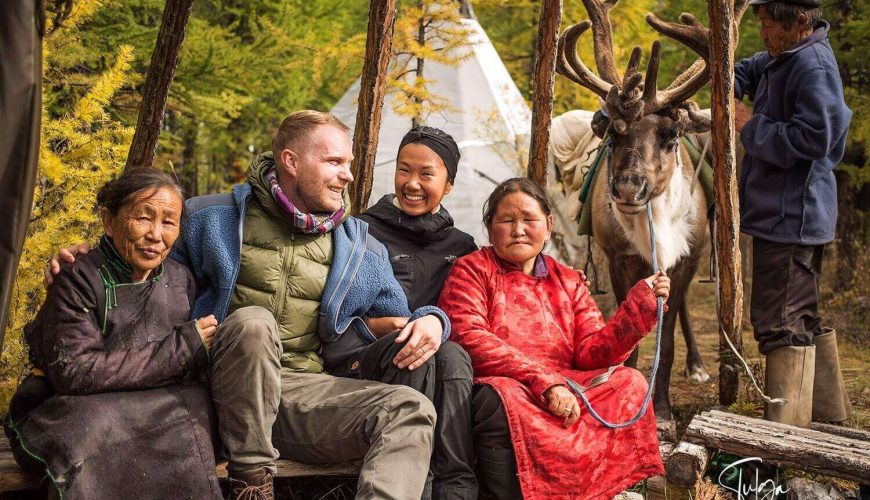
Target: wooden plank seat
{"points": [[12, 478], [823, 449]]}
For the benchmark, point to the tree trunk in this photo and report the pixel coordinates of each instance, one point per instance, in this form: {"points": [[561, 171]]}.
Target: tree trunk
{"points": [[542, 89], [373, 84], [722, 37], [156, 88], [417, 120]]}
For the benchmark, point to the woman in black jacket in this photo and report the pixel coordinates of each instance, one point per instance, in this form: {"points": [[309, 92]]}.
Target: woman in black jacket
{"points": [[423, 243]]}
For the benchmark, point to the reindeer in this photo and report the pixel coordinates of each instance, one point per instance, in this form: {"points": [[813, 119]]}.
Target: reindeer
{"points": [[643, 127]]}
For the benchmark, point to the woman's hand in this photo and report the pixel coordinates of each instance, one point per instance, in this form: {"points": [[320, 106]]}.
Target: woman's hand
{"points": [[424, 339], [386, 325], [206, 327], [561, 402], [66, 255], [660, 284]]}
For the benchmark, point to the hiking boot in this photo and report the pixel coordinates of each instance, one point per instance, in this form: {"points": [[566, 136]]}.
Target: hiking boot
{"points": [[255, 484], [789, 374], [830, 400]]}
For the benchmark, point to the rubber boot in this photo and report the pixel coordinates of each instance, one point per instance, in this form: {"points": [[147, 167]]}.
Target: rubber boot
{"points": [[497, 474], [789, 374], [830, 400]]}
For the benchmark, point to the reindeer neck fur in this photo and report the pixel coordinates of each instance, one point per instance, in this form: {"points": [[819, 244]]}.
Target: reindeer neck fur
{"points": [[676, 214]]}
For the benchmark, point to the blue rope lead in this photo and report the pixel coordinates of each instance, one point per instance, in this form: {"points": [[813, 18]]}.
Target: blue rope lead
{"points": [[660, 307]]}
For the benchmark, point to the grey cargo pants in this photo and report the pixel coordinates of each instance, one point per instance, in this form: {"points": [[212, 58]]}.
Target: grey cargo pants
{"points": [[265, 412]]}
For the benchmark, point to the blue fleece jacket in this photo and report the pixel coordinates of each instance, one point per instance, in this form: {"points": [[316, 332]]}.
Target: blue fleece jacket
{"points": [[360, 281], [793, 141]]}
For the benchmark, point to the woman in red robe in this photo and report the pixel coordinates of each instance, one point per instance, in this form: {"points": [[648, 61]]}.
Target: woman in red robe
{"points": [[529, 323]]}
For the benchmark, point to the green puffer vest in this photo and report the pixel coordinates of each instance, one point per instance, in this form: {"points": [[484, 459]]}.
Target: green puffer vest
{"points": [[284, 271]]}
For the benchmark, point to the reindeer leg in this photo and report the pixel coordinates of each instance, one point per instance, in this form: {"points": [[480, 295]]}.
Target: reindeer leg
{"points": [[695, 369]]}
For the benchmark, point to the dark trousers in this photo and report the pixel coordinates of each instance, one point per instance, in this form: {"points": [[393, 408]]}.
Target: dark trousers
{"points": [[784, 308], [496, 461], [445, 379]]}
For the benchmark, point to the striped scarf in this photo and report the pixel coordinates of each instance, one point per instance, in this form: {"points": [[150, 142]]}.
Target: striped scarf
{"points": [[307, 223]]}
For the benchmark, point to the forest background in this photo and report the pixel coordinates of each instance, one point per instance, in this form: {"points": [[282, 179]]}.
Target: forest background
{"points": [[246, 64]]}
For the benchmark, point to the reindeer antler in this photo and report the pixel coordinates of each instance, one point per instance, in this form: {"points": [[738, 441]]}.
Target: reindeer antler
{"points": [[692, 34], [624, 102], [573, 68]]}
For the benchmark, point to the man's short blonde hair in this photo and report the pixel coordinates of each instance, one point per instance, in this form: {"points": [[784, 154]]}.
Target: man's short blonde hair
{"points": [[299, 125]]}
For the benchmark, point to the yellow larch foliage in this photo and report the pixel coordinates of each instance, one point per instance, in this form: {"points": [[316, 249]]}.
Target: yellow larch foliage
{"points": [[445, 42], [80, 151]]}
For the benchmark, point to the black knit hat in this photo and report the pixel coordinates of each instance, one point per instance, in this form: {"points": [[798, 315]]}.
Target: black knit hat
{"points": [[438, 141]]}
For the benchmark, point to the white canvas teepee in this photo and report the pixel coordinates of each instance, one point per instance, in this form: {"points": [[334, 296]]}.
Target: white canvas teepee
{"points": [[487, 116]]}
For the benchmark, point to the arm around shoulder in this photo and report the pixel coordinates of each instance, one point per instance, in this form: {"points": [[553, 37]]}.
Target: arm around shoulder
{"points": [[69, 346]]}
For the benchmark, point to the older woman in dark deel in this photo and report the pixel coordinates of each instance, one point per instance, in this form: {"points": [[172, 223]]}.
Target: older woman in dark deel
{"points": [[115, 407]]}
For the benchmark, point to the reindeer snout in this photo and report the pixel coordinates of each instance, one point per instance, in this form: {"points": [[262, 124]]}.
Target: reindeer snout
{"points": [[631, 190]]}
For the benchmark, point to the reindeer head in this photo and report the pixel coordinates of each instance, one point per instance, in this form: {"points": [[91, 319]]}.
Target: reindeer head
{"points": [[643, 123]]}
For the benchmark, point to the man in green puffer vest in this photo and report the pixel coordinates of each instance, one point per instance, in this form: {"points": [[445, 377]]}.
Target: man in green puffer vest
{"points": [[285, 272], [268, 382]]}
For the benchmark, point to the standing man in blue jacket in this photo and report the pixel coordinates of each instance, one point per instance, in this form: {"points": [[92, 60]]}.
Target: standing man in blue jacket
{"points": [[788, 203]]}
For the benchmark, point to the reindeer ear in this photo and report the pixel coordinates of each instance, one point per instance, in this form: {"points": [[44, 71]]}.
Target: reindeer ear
{"points": [[600, 122], [697, 121]]}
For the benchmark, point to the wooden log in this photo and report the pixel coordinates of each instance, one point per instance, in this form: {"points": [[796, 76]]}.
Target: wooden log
{"points": [[156, 88], [686, 464], [12, 478], [542, 89], [373, 86], [722, 36], [784, 445], [837, 430], [666, 430], [289, 468], [658, 488], [665, 449]]}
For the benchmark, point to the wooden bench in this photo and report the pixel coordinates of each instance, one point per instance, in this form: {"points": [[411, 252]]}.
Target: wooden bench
{"points": [[823, 449], [12, 478]]}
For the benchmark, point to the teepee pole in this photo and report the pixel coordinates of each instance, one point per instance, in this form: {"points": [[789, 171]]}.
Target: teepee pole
{"points": [[542, 89], [723, 37], [156, 89], [373, 85]]}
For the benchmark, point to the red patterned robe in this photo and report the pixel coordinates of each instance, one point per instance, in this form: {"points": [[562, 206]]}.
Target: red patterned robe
{"points": [[527, 333]]}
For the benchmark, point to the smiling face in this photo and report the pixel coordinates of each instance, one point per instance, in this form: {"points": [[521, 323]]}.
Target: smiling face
{"points": [[519, 230], [421, 179], [776, 38], [315, 175], [145, 228]]}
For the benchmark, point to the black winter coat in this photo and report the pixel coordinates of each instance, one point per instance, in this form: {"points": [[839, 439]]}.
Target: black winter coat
{"points": [[128, 417], [422, 249]]}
